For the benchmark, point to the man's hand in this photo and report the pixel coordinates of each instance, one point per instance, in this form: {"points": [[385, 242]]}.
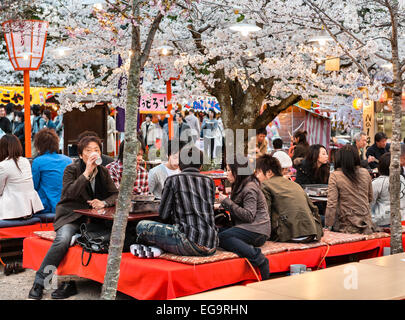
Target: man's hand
{"points": [[222, 197], [96, 204], [91, 165], [371, 159]]}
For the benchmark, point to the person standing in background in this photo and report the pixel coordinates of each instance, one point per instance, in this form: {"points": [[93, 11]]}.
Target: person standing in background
{"points": [[148, 131], [19, 128], [194, 124], [111, 134], [46, 115], [5, 123]]}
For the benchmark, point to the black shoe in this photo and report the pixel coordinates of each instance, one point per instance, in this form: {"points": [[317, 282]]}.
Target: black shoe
{"points": [[36, 292], [8, 269], [65, 290], [265, 270]]}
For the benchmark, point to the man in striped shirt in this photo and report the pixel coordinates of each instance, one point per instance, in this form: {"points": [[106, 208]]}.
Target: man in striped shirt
{"points": [[187, 205]]}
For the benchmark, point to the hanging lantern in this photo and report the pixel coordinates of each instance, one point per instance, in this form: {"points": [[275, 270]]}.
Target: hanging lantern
{"points": [[357, 104], [25, 42]]}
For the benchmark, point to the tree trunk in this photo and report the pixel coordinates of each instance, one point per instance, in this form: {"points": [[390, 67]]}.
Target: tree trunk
{"points": [[131, 148], [241, 110], [395, 169]]}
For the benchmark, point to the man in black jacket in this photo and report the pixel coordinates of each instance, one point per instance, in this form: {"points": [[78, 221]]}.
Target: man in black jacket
{"points": [[379, 147], [5, 123]]}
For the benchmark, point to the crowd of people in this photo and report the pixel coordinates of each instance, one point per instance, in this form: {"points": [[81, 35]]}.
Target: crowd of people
{"points": [[266, 202], [12, 122]]}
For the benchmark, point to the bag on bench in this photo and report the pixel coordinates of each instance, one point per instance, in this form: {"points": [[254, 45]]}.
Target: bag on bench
{"points": [[94, 238]]}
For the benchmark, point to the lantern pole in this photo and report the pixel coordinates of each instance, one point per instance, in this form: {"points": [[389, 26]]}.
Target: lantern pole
{"points": [[169, 107], [27, 114]]}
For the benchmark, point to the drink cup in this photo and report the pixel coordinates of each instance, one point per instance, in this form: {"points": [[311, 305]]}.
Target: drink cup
{"points": [[98, 161]]}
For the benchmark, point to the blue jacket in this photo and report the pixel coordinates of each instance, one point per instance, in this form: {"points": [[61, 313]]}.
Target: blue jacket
{"points": [[47, 174]]}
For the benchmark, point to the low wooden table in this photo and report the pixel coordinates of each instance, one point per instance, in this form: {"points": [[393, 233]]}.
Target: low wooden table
{"points": [[108, 214], [236, 293], [352, 281], [391, 261]]}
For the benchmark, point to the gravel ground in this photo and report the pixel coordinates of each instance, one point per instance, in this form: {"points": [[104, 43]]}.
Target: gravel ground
{"points": [[17, 287]]}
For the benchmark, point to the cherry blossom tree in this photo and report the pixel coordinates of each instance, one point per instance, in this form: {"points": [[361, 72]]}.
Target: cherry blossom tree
{"points": [[383, 24]]}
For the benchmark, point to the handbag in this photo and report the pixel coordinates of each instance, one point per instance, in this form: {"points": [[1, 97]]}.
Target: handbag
{"points": [[93, 238]]}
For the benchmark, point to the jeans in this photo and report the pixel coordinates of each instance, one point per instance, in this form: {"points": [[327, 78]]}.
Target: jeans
{"points": [[56, 252], [168, 238], [244, 243]]}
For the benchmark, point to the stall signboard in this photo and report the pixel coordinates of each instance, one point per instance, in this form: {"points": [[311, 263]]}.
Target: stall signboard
{"points": [[154, 103], [15, 95], [368, 120], [157, 103]]}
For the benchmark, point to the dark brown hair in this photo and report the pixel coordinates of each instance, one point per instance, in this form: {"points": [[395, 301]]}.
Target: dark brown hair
{"points": [[348, 159], [10, 148], [84, 142], [267, 162], [240, 179], [46, 140], [302, 137], [320, 174]]}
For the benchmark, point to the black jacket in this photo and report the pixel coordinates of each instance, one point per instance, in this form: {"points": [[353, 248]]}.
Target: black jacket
{"points": [[305, 174], [5, 125], [376, 153]]}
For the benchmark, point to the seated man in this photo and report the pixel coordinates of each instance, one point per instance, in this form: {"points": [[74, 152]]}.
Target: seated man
{"points": [[187, 206], [294, 218], [158, 175], [258, 145], [376, 150], [115, 169], [85, 185], [106, 159]]}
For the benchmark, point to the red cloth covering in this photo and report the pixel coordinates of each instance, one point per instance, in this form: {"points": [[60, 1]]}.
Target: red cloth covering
{"points": [[216, 180], [24, 231], [161, 279]]}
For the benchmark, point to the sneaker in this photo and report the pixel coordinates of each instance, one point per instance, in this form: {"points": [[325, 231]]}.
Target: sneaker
{"points": [[142, 251], [65, 290], [36, 292], [264, 269]]}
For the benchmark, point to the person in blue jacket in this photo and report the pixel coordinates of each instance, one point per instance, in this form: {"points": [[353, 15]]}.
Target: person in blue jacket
{"points": [[48, 168]]}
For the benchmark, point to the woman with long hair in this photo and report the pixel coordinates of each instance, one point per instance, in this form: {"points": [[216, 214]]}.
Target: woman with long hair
{"points": [[300, 146], [350, 192], [314, 169], [18, 197], [251, 221]]}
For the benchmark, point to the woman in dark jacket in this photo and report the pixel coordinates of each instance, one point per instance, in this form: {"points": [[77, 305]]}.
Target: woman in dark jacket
{"points": [[19, 128], [314, 169], [248, 208], [301, 146], [85, 185]]}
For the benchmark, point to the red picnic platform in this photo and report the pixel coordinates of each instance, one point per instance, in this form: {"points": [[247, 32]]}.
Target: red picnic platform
{"points": [[171, 276]]}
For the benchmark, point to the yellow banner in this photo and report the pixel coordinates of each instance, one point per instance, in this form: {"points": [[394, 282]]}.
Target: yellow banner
{"points": [[15, 95]]}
